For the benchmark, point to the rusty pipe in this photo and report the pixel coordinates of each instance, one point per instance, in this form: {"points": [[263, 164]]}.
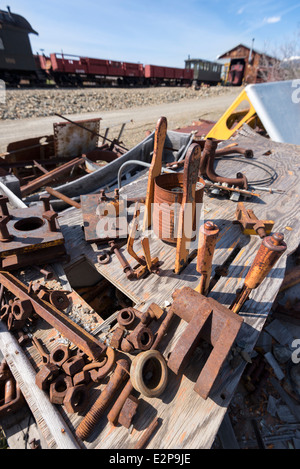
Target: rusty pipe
{"points": [[247, 153], [63, 197], [207, 167], [271, 249], [208, 234]]}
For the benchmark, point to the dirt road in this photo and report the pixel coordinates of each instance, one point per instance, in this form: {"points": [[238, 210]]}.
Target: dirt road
{"points": [[143, 118]]}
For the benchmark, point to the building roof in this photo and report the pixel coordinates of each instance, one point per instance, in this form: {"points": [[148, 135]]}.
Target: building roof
{"points": [[246, 47], [15, 21]]}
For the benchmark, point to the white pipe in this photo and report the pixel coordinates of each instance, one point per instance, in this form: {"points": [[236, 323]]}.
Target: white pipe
{"points": [[14, 200]]}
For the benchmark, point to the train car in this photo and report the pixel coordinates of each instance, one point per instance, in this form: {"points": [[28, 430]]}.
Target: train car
{"points": [[204, 71], [157, 75], [16, 59], [73, 70]]}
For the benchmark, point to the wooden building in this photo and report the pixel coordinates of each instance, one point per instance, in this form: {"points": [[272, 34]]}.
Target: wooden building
{"points": [[246, 65]]}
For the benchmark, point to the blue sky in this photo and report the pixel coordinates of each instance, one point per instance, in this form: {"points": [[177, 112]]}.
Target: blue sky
{"points": [[160, 32]]}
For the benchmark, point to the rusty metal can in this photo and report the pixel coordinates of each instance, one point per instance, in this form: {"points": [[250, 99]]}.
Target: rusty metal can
{"points": [[168, 191]]}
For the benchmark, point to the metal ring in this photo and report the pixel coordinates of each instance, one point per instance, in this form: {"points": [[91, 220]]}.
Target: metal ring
{"points": [[103, 258]]}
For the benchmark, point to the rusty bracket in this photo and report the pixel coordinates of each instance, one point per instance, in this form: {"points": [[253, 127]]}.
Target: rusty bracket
{"points": [[155, 168], [30, 236], [208, 321], [188, 206], [146, 262], [250, 224], [86, 342]]}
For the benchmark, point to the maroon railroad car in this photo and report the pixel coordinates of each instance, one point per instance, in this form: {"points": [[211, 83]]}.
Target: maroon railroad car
{"points": [[155, 74]]}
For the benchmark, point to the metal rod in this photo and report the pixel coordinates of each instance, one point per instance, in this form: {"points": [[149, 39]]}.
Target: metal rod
{"points": [[63, 197]]}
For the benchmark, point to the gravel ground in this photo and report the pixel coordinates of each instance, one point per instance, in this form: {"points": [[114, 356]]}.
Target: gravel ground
{"points": [[21, 104]]}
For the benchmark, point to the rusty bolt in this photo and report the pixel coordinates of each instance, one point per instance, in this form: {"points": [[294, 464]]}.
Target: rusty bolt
{"points": [[43, 293], [102, 195], [21, 310], [76, 399], [59, 387], [116, 338], [126, 317], [60, 354], [14, 324], [128, 411], [73, 365], [51, 216], [4, 233], [59, 299], [3, 206], [45, 375], [126, 346], [91, 419], [141, 337], [45, 198]]}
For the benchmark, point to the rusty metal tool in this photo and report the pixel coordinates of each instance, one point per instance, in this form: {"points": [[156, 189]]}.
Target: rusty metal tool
{"points": [[155, 168], [208, 321], [188, 206], [208, 234], [219, 187], [86, 342], [250, 224], [271, 249]]}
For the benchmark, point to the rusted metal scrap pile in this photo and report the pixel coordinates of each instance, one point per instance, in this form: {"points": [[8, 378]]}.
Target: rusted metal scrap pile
{"points": [[74, 150], [129, 361]]}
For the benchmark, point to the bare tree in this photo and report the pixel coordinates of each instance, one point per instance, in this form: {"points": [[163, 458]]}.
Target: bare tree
{"points": [[283, 63]]}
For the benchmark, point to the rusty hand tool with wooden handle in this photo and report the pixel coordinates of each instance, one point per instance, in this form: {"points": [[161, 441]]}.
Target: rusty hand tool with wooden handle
{"points": [[271, 249], [208, 234]]}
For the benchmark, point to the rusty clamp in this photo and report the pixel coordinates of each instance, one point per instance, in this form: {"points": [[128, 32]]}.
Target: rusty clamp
{"points": [[250, 224], [207, 320]]}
